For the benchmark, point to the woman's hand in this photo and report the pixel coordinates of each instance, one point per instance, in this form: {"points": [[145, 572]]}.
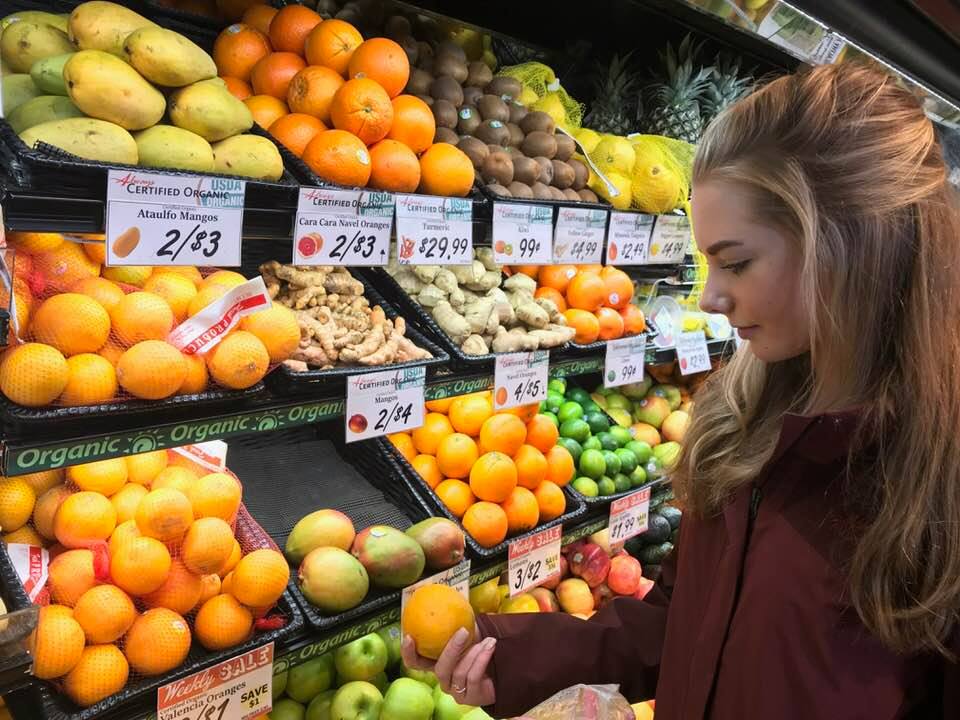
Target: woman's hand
{"points": [[462, 667]]}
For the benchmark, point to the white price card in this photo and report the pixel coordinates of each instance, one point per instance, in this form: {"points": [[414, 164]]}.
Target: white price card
{"points": [[236, 689], [156, 219], [624, 361], [342, 227], [629, 516], [533, 560], [578, 236], [628, 238], [669, 240], [692, 353], [522, 234], [384, 402], [457, 577], [520, 378], [434, 230]]}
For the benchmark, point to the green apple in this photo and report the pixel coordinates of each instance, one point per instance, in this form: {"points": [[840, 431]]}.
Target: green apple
{"points": [[279, 684], [361, 659], [381, 681], [446, 708], [309, 679], [407, 699], [357, 700], [391, 638], [477, 714], [287, 709], [424, 676], [319, 707]]}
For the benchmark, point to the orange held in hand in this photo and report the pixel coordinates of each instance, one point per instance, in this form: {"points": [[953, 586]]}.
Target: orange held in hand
{"points": [[339, 157], [332, 44], [384, 61], [433, 614], [361, 106]]}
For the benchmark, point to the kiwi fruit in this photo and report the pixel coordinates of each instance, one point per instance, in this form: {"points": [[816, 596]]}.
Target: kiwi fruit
{"points": [[498, 189], [546, 170], [450, 48], [475, 150], [588, 195], [327, 8], [469, 120], [516, 135], [565, 146], [537, 120], [517, 112], [520, 190], [563, 175], [497, 168], [424, 56], [478, 74], [445, 113], [493, 108], [506, 88], [451, 67], [495, 148], [472, 95], [419, 82], [526, 170], [493, 132], [446, 88], [350, 14], [539, 144], [410, 47], [557, 193], [541, 191], [446, 135], [580, 173], [515, 152], [427, 99], [571, 194], [397, 27]]}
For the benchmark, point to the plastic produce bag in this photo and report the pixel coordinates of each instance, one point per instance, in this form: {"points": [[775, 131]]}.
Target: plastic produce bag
{"points": [[584, 702]]}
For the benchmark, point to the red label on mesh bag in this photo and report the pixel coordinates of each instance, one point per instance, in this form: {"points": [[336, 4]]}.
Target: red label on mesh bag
{"points": [[31, 564], [199, 334]]}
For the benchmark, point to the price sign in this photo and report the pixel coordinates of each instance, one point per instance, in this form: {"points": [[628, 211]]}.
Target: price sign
{"points": [[384, 402], [520, 379], [669, 240], [457, 577], [522, 234], [692, 353], [578, 236], [533, 560], [624, 361], [629, 515], [155, 219], [628, 238], [236, 689], [434, 230], [342, 227]]}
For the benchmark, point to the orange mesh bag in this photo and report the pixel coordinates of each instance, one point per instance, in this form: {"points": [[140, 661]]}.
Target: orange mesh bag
{"points": [[152, 552]]}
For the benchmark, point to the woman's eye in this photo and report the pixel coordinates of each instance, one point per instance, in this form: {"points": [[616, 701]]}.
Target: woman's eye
{"points": [[737, 268]]}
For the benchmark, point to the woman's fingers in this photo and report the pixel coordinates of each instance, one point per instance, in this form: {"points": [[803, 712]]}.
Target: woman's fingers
{"points": [[411, 658], [471, 684], [450, 657]]}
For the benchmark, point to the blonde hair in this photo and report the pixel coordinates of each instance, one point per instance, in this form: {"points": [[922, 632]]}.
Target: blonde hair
{"points": [[844, 160]]}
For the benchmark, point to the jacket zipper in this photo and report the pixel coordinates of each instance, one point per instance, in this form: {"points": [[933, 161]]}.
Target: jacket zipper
{"points": [[756, 495]]}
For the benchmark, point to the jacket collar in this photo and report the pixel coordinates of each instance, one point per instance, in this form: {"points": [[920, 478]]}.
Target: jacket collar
{"points": [[819, 438]]}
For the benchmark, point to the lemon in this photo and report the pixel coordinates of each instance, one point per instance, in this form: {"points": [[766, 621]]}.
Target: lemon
{"points": [[552, 106], [614, 154], [587, 138], [527, 96]]}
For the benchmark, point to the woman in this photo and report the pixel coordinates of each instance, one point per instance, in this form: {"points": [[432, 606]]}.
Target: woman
{"points": [[818, 569]]}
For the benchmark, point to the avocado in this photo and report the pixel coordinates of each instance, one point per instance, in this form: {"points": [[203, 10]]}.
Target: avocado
{"points": [[658, 529], [672, 515]]}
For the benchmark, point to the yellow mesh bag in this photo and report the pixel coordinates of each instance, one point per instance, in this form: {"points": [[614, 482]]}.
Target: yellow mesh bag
{"points": [[662, 170], [540, 81]]}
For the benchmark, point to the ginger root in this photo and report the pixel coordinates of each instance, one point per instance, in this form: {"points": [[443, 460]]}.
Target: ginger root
{"points": [[475, 345], [451, 322], [516, 340]]}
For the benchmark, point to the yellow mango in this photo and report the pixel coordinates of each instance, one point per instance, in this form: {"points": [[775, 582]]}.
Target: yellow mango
{"points": [[24, 43], [100, 25], [18, 89], [249, 156], [40, 110], [86, 138], [209, 110], [105, 87], [167, 58], [35, 16], [165, 146]]}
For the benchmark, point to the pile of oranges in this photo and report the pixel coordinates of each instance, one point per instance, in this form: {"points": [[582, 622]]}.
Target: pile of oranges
{"points": [[595, 299], [91, 333], [334, 100], [139, 544], [500, 473]]}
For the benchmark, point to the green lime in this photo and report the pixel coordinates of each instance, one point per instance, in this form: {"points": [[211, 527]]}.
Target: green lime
{"points": [[592, 464], [572, 446], [585, 486], [612, 461], [578, 395], [557, 385], [607, 441], [552, 418], [621, 434], [575, 428], [570, 410], [598, 422], [622, 482], [628, 461], [638, 477], [554, 401], [642, 450], [616, 400], [591, 443], [606, 486]]}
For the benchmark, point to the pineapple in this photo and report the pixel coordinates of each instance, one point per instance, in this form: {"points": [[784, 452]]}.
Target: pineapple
{"points": [[674, 105], [725, 88], [613, 88]]}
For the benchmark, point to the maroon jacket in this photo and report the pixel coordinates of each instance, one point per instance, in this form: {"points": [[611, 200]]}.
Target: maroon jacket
{"points": [[748, 621]]}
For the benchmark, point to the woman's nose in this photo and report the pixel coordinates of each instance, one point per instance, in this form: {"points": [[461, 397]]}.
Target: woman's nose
{"points": [[714, 300]]}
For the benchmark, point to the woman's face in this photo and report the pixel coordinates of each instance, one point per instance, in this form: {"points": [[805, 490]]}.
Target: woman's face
{"points": [[754, 272]]}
